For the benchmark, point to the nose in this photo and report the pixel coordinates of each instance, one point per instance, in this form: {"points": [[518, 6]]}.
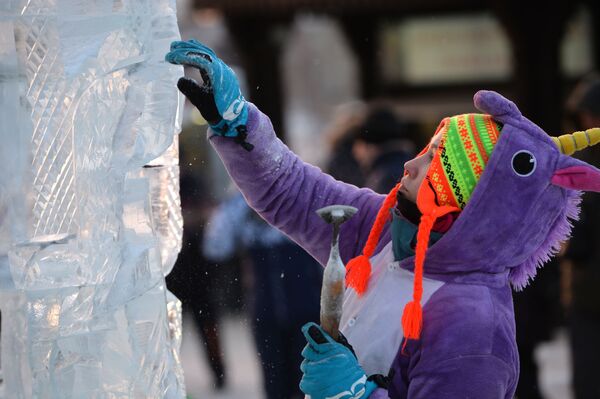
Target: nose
{"points": [[410, 168]]}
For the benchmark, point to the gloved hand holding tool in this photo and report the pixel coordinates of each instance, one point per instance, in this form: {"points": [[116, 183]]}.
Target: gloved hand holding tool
{"points": [[330, 367]]}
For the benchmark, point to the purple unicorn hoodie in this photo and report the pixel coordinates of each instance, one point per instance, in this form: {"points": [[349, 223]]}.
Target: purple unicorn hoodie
{"points": [[510, 226]]}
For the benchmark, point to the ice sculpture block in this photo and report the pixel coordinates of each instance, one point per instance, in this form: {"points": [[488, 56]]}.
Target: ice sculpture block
{"points": [[90, 219]]}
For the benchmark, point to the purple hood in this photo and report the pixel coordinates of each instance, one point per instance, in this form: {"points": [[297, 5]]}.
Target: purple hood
{"points": [[513, 223]]}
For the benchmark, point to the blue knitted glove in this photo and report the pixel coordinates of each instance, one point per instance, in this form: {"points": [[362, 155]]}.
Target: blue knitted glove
{"points": [[330, 369], [219, 100]]}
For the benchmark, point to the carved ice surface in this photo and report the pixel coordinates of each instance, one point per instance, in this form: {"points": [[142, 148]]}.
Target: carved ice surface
{"points": [[90, 219]]}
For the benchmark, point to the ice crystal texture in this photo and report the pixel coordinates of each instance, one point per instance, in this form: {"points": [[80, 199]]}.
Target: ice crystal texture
{"points": [[90, 219]]}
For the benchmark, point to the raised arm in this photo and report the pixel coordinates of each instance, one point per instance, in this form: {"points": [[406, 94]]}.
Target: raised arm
{"points": [[275, 182], [287, 191]]}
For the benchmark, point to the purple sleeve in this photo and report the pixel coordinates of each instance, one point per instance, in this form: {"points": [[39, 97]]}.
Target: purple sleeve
{"points": [[286, 192], [482, 377]]}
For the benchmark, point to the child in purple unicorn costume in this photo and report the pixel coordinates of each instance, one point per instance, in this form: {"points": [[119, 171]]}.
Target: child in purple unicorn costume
{"points": [[430, 307]]}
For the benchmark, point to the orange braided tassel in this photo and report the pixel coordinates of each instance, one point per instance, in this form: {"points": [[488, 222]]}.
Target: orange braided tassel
{"points": [[412, 317], [412, 320], [358, 274], [358, 269]]}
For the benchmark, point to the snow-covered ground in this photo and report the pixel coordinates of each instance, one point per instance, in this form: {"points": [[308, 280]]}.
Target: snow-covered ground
{"points": [[241, 362], [244, 374]]}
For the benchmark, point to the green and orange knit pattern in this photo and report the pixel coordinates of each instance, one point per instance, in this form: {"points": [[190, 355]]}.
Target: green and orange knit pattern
{"points": [[465, 148]]}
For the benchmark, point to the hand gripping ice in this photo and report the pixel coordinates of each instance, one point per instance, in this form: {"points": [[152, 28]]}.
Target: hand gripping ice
{"points": [[332, 290], [219, 99]]}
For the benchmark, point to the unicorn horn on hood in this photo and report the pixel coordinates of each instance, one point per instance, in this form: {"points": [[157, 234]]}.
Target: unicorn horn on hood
{"points": [[572, 173], [568, 144]]}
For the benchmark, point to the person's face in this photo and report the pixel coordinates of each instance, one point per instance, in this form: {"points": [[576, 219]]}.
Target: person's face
{"points": [[416, 169], [364, 153]]}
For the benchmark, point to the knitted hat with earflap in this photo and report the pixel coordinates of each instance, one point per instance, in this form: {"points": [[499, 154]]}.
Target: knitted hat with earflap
{"points": [[464, 150]]}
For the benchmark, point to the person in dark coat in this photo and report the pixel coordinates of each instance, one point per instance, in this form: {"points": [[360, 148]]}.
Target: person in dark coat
{"points": [[193, 270], [284, 285], [382, 145]]}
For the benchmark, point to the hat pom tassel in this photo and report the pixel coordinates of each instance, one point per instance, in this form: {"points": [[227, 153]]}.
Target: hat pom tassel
{"points": [[412, 320], [358, 272]]}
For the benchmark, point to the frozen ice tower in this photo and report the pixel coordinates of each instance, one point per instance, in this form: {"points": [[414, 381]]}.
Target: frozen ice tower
{"points": [[90, 219]]}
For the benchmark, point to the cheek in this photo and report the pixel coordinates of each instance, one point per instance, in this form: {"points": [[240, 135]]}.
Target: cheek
{"points": [[420, 179]]}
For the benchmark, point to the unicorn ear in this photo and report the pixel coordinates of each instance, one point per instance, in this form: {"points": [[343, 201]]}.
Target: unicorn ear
{"points": [[494, 104], [576, 175]]}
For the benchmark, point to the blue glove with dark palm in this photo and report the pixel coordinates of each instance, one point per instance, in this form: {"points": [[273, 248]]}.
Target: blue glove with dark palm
{"points": [[219, 99], [330, 368]]}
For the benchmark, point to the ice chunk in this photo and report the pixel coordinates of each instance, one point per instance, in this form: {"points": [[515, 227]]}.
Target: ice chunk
{"points": [[90, 219]]}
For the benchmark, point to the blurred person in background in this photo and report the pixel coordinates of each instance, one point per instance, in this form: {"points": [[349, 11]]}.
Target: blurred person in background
{"points": [[193, 270], [382, 145], [340, 135], [284, 284], [583, 253]]}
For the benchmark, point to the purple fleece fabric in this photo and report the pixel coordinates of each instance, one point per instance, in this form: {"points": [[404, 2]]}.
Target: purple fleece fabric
{"points": [[511, 224], [287, 192]]}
